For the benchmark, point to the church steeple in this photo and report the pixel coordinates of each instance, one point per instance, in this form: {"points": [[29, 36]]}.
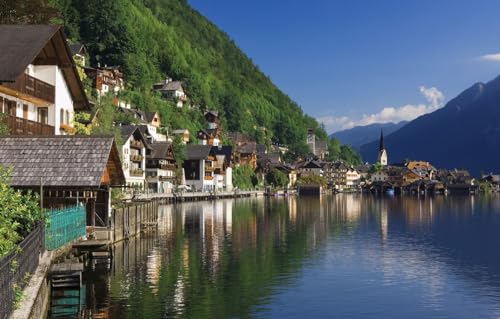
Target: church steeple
{"points": [[382, 157], [381, 144]]}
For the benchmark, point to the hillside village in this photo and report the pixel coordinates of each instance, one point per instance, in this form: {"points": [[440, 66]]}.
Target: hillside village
{"points": [[43, 94]]}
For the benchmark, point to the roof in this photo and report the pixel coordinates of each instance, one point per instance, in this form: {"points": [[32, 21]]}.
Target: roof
{"points": [[159, 150], [321, 146], [128, 130], [261, 148], [197, 152], [214, 113], [77, 48], [247, 148], [169, 86], [39, 44], [61, 161]]}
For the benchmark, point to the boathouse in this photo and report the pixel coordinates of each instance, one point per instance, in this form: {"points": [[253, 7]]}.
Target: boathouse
{"points": [[66, 170]]}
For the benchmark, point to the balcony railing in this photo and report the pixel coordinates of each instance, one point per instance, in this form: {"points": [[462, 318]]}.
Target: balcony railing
{"points": [[170, 167], [209, 178], [137, 172], [136, 144], [136, 158], [29, 85], [20, 126]]}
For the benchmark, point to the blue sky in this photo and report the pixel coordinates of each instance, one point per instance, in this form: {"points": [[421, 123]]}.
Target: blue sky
{"points": [[357, 62]]}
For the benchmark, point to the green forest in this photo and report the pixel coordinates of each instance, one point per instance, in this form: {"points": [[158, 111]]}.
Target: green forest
{"points": [[152, 39]]}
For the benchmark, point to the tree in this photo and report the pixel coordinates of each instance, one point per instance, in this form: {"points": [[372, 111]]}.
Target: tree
{"points": [[19, 213], [244, 177], [27, 12], [4, 129], [276, 178], [312, 180]]}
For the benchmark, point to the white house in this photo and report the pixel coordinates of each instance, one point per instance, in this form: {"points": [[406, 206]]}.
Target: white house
{"points": [[172, 90], [352, 178], [134, 156], [160, 167], [207, 168], [379, 176], [40, 89]]}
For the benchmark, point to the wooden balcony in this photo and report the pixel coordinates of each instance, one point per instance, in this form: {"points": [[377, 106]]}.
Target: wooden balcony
{"points": [[170, 167], [136, 158], [29, 85], [138, 172], [136, 144], [20, 126]]}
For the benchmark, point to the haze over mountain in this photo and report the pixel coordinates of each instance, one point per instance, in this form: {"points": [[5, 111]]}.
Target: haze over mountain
{"points": [[360, 135], [465, 133]]}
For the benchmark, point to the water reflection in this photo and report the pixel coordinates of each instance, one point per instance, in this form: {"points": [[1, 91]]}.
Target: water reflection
{"points": [[363, 256]]}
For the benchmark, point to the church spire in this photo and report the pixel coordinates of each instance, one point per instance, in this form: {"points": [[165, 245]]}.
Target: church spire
{"points": [[381, 145]]}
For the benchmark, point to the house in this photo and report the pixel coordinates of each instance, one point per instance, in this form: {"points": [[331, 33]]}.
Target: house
{"points": [[170, 89], [335, 174], [207, 167], [160, 167], [353, 179], [149, 121], [213, 134], [183, 133], [311, 168], [133, 155], [246, 154], [492, 180], [40, 89], [79, 53], [379, 176], [68, 169], [107, 79]]}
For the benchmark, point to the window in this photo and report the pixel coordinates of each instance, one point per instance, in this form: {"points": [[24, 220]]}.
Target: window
{"points": [[61, 116], [25, 111], [1, 105], [67, 117], [43, 115]]}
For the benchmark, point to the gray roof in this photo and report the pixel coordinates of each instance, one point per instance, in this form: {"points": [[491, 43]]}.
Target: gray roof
{"points": [[61, 161], [127, 130], [159, 150], [77, 48], [197, 152], [247, 148], [169, 86], [25, 44], [20, 46]]}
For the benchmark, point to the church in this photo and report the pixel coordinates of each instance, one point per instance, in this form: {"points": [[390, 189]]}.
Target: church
{"points": [[382, 152]]}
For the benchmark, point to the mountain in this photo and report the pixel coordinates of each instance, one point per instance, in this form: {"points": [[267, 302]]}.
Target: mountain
{"points": [[360, 135], [151, 39], [465, 133]]}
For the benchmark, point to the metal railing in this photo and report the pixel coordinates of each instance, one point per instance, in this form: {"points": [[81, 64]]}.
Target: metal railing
{"points": [[64, 226], [16, 267]]}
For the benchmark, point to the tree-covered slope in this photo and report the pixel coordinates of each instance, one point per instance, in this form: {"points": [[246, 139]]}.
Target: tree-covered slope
{"points": [[150, 39]]}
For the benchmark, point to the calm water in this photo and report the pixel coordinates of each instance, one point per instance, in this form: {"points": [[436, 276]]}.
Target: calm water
{"points": [[344, 256]]}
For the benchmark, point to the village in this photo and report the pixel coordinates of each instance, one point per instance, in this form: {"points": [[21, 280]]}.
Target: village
{"points": [[98, 178]]}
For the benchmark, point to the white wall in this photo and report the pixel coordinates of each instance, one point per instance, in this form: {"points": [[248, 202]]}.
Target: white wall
{"points": [[63, 100]]}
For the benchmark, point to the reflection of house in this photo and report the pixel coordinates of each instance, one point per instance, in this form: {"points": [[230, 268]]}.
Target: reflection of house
{"points": [[70, 168], [39, 86], [133, 154], [208, 167], [160, 167], [172, 90]]}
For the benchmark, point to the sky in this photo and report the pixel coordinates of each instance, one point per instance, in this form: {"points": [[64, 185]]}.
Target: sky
{"points": [[354, 62]]}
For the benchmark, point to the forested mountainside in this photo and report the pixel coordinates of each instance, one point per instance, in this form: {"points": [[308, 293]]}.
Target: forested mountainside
{"points": [[153, 39]]}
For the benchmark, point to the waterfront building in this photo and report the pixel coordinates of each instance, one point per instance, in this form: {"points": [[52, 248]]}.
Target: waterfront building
{"points": [[69, 169], [40, 89], [133, 155], [160, 167], [382, 157]]}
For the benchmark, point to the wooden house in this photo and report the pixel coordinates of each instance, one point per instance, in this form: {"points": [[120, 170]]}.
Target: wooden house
{"points": [[208, 167], [40, 89], [66, 170], [107, 79]]}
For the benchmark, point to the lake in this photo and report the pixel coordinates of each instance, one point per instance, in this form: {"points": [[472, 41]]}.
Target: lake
{"points": [[343, 256]]}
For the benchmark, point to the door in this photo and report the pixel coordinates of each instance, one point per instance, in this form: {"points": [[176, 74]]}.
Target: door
{"points": [[43, 115], [25, 111]]}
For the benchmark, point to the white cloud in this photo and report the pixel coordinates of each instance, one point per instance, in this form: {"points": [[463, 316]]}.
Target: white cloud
{"points": [[408, 112], [495, 57]]}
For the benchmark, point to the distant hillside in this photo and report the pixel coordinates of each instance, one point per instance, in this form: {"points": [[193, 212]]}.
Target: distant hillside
{"points": [[360, 135], [465, 133], [150, 39]]}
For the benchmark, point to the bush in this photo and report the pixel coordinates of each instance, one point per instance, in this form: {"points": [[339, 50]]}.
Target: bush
{"points": [[244, 177], [19, 214], [276, 178], [312, 180]]}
